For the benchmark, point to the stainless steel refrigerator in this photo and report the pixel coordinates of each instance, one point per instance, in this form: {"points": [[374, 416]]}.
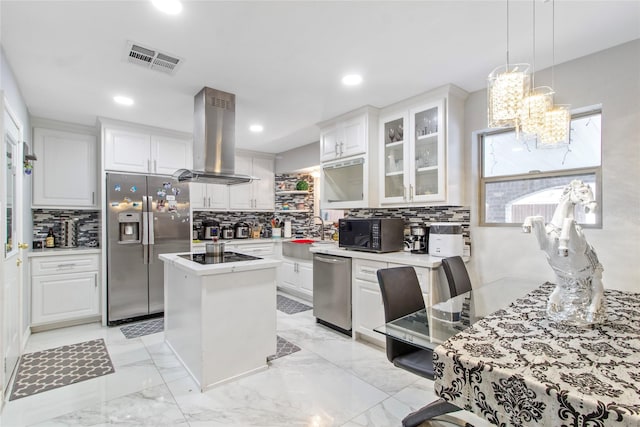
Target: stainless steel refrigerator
{"points": [[146, 216]]}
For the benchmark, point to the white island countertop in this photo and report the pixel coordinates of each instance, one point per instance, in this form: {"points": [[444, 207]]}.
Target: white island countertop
{"points": [[212, 269], [405, 258]]}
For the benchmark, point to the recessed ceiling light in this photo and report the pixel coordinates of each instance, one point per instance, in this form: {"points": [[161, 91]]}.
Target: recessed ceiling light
{"points": [[352, 79], [256, 128], [170, 7], [123, 100]]}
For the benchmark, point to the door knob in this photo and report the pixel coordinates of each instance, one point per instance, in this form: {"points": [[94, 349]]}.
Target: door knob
{"points": [[18, 262], [23, 245]]}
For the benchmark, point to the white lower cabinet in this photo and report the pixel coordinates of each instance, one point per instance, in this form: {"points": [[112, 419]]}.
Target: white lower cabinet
{"points": [[296, 277], [368, 309], [64, 288]]}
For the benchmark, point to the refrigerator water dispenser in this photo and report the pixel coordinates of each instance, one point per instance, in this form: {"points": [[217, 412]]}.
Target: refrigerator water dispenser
{"points": [[129, 223]]}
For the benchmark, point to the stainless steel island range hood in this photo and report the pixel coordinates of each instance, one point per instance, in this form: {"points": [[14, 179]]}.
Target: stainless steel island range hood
{"points": [[213, 140]]}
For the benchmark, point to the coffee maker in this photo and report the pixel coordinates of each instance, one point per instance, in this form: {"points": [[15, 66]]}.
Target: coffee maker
{"points": [[419, 237]]}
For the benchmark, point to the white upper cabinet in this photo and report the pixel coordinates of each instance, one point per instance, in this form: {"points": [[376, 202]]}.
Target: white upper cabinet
{"points": [[209, 196], [258, 195], [348, 153], [343, 138], [421, 150], [170, 154], [65, 174], [127, 151], [145, 151]]}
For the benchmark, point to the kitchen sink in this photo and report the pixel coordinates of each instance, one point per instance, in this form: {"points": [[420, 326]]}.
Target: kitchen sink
{"points": [[299, 248]]}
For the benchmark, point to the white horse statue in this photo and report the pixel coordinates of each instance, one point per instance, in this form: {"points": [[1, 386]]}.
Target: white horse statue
{"points": [[579, 294]]}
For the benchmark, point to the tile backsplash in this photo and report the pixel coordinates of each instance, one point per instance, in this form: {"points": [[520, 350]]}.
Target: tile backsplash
{"points": [[298, 208], [88, 224], [425, 215]]}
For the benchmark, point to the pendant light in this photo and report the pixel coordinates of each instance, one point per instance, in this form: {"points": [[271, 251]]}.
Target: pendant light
{"points": [[506, 88], [557, 121], [539, 100]]}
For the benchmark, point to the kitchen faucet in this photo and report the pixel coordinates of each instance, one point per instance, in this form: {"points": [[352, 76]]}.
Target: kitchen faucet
{"points": [[312, 222]]}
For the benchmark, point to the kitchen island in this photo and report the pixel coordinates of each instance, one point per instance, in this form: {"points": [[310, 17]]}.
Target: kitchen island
{"points": [[220, 319]]}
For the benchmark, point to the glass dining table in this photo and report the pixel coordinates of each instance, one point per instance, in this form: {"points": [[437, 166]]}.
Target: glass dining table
{"points": [[497, 355]]}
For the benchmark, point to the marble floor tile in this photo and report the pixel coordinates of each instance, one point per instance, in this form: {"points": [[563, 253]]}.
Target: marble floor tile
{"points": [[166, 362], [331, 381], [153, 406], [389, 412], [54, 403], [302, 389]]}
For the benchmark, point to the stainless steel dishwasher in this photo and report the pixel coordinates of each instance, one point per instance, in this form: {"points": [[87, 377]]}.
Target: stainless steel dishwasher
{"points": [[332, 291]]}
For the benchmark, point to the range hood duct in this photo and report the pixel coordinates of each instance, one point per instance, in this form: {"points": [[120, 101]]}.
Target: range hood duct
{"points": [[213, 140]]}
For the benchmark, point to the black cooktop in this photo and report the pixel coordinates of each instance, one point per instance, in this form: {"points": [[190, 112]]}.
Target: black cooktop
{"points": [[226, 257]]}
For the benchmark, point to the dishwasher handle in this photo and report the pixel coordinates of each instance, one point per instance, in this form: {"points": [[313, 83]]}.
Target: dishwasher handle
{"points": [[331, 260]]}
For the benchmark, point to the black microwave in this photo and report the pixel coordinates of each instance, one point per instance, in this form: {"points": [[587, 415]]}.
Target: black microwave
{"points": [[371, 234]]}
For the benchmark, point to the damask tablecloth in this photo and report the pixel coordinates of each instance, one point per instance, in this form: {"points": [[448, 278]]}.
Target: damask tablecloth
{"points": [[516, 367]]}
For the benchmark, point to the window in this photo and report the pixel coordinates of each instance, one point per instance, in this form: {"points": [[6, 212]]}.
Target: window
{"points": [[520, 178]]}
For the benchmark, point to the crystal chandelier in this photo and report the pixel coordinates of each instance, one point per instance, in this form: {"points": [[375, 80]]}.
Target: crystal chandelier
{"points": [[534, 109], [557, 124], [557, 121], [506, 88], [511, 102], [540, 100]]}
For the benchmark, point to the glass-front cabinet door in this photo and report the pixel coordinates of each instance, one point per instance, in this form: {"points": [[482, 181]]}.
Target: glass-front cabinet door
{"points": [[427, 153], [414, 155], [395, 183]]}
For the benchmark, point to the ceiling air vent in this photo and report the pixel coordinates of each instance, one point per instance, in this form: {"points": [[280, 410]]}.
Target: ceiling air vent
{"points": [[152, 59]]}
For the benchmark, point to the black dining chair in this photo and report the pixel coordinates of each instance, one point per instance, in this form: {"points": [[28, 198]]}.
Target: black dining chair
{"points": [[457, 275], [401, 295]]}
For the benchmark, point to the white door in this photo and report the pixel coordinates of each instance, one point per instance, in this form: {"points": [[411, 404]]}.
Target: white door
{"points": [[10, 217]]}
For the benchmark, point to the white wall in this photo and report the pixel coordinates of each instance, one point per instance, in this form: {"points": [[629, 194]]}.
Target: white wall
{"points": [[299, 158], [610, 78]]}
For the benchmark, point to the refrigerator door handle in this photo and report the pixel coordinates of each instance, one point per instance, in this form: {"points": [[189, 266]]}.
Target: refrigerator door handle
{"points": [[145, 221], [145, 231], [150, 219], [150, 226]]}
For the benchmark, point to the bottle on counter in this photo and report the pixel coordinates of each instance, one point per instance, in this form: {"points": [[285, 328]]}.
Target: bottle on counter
{"points": [[50, 241]]}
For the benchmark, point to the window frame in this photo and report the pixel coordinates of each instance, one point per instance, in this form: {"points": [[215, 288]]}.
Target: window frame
{"points": [[597, 171]]}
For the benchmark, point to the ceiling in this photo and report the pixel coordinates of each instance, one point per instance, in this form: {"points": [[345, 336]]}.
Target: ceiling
{"points": [[283, 60]]}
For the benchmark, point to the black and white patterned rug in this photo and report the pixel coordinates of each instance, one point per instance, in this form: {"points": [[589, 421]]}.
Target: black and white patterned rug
{"points": [[60, 366], [284, 348], [143, 328], [289, 306]]}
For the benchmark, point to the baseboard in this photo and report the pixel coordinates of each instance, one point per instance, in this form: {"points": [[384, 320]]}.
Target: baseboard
{"points": [[65, 323]]}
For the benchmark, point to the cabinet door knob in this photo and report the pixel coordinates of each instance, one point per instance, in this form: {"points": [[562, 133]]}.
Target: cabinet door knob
{"points": [[18, 262], [23, 246]]}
